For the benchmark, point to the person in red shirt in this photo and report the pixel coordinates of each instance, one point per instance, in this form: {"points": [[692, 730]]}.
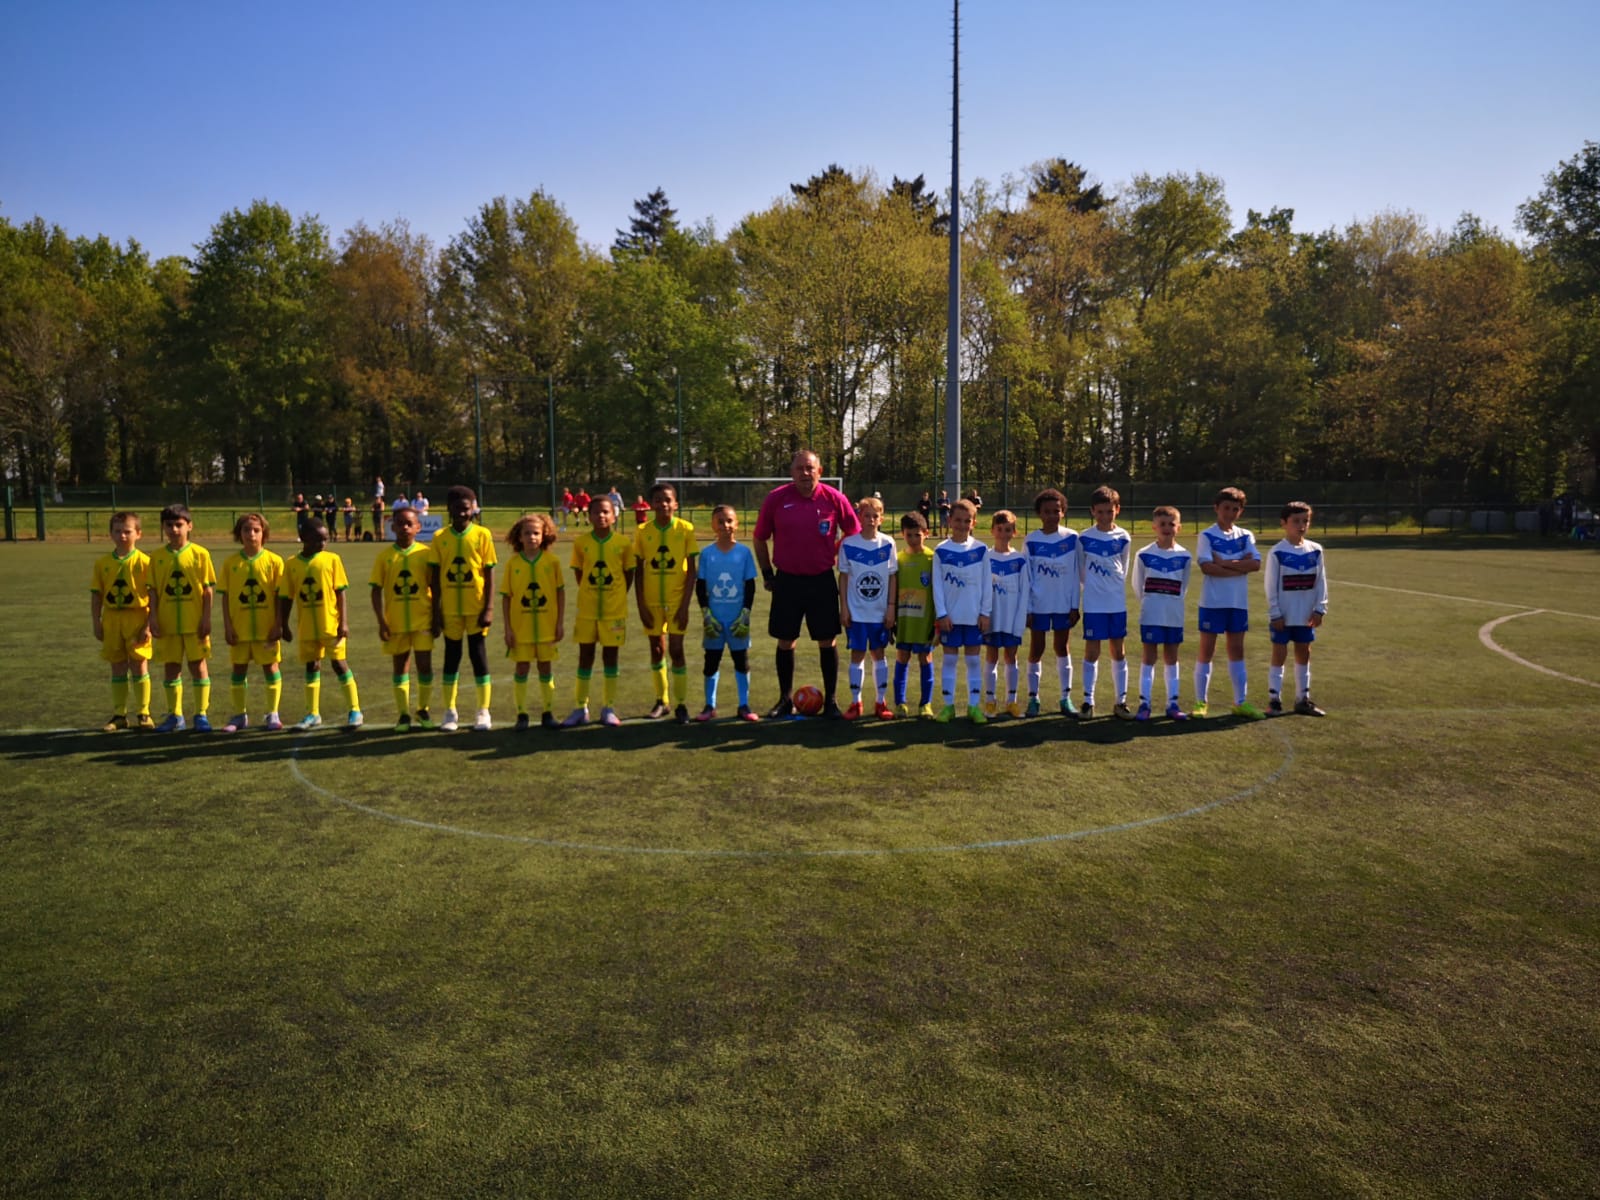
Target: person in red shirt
{"points": [[805, 521], [581, 504]]}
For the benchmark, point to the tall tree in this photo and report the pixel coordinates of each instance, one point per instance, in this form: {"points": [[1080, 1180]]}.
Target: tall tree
{"points": [[653, 220], [254, 351]]}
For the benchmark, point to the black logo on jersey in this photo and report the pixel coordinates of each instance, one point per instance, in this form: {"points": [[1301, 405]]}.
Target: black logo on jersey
{"points": [[405, 584], [120, 594], [600, 575], [252, 594], [662, 560], [533, 597], [459, 573], [178, 585], [870, 586], [310, 593]]}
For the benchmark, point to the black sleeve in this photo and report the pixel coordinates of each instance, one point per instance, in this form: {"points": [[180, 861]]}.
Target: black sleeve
{"points": [[749, 593], [700, 592]]}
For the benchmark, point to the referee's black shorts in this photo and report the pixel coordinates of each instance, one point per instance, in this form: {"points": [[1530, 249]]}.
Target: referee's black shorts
{"points": [[815, 598]]}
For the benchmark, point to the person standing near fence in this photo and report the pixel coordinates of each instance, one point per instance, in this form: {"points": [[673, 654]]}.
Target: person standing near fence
{"points": [[804, 520]]}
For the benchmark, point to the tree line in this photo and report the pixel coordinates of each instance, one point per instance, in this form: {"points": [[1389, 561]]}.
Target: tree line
{"points": [[1135, 336]]}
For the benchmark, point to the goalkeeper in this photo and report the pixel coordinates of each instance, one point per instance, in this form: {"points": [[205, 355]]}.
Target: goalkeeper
{"points": [[726, 588]]}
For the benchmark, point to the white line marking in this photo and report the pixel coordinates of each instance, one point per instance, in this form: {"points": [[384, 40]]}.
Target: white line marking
{"points": [[1000, 844], [1486, 636], [1527, 608]]}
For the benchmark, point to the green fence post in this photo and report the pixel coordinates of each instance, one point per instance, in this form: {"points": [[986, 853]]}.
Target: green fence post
{"points": [[87, 535], [186, 503], [38, 511], [113, 497], [11, 514]]}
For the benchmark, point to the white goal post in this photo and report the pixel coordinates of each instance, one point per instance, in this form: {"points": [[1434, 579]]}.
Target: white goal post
{"points": [[744, 492]]}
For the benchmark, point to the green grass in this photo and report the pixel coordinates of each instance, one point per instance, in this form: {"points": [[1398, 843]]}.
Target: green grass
{"points": [[757, 961]]}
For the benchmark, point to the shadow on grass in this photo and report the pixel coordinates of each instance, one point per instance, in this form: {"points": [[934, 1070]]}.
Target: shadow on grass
{"points": [[719, 737]]}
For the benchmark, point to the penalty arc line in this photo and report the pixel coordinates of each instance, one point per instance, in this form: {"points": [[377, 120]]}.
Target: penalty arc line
{"points": [[679, 852], [1486, 636]]}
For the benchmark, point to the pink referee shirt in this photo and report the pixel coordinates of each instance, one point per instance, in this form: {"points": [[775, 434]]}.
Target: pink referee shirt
{"points": [[805, 531]]}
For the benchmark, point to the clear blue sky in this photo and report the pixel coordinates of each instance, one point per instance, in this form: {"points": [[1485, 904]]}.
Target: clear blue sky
{"points": [[151, 119]]}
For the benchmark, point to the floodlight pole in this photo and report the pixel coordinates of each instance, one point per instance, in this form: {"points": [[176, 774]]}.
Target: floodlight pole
{"points": [[952, 387], [477, 434]]}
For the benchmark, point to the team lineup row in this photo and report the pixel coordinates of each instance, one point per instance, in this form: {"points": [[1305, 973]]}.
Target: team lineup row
{"points": [[980, 604]]}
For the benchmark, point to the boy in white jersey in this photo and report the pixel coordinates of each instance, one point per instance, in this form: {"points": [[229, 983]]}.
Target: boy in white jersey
{"points": [[1161, 581], [1008, 612], [1104, 552], [867, 570], [962, 599], [1297, 599], [1053, 587], [1227, 554]]}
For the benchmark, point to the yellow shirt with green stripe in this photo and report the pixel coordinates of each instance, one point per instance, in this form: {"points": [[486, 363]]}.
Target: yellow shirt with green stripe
{"points": [[250, 590], [179, 579], [463, 559], [532, 584], [601, 564], [314, 584], [123, 584], [404, 576], [664, 556]]}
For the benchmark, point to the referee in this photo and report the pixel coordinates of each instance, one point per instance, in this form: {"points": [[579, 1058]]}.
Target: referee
{"points": [[805, 521]]}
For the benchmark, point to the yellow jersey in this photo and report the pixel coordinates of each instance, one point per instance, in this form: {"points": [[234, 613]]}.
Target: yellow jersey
{"points": [[315, 583], [463, 559], [601, 564], [123, 584], [532, 585], [178, 580], [250, 590], [663, 556], [404, 577]]}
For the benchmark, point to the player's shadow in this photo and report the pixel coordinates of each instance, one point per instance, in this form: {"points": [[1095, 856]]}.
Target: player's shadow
{"points": [[725, 736]]}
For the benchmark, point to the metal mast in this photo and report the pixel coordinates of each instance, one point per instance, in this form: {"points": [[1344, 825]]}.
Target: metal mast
{"points": [[952, 389]]}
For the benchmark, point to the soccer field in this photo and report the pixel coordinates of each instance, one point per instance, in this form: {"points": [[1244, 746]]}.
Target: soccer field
{"points": [[1354, 956]]}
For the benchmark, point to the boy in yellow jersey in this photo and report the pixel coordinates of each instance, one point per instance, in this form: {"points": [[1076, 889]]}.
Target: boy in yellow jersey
{"points": [[405, 581], [315, 577], [119, 607], [666, 552], [533, 603], [250, 618], [602, 562], [464, 602], [183, 581]]}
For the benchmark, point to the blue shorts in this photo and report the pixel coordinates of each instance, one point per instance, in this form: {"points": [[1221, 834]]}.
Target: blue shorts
{"points": [[1291, 633], [1046, 621], [1104, 627], [862, 636], [961, 635], [1161, 635], [917, 647], [726, 641], [1224, 620], [1001, 640]]}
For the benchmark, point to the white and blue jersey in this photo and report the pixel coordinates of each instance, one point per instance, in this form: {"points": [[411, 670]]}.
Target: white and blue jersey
{"points": [[725, 573], [1297, 582], [1053, 571], [1008, 578], [866, 565], [1217, 545], [1105, 560], [961, 587], [1161, 581]]}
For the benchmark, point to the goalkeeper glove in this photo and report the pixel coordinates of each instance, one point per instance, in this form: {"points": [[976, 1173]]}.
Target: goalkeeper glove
{"points": [[712, 626], [741, 624]]}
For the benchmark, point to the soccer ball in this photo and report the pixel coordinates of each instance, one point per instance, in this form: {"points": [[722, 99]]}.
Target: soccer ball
{"points": [[808, 700]]}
